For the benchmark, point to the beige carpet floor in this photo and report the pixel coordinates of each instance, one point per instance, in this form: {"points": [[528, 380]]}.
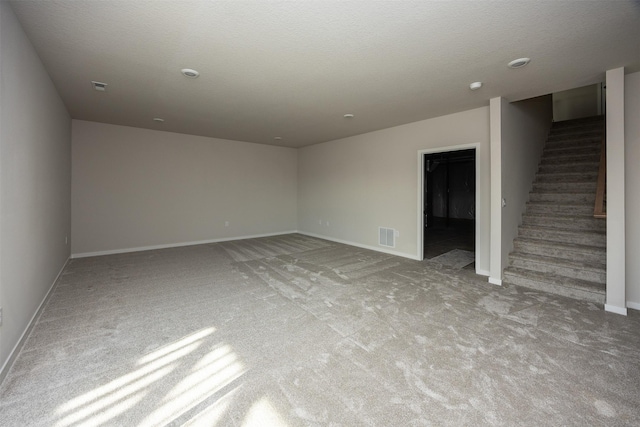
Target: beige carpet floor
{"points": [[297, 331]]}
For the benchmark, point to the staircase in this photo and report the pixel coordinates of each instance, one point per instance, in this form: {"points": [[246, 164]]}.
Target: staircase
{"points": [[561, 247]]}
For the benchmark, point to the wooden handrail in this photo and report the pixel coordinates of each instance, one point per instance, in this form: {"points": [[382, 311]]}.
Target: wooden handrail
{"points": [[600, 209]]}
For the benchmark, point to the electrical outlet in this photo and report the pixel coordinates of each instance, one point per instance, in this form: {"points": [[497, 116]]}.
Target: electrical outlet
{"points": [[226, 223], [320, 221], [327, 223]]}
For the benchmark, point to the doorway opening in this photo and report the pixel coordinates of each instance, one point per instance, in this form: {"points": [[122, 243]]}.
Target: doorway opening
{"points": [[449, 207]]}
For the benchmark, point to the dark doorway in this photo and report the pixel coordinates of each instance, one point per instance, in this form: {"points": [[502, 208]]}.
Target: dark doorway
{"points": [[449, 202]]}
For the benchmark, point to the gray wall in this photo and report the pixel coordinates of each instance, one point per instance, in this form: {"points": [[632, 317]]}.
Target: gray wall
{"points": [[35, 182], [576, 103], [525, 126], [518, 133], [349, 187], [138, 188]]}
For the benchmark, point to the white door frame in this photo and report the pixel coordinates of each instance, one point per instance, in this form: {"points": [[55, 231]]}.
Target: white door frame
{"points": [[421, 153]]}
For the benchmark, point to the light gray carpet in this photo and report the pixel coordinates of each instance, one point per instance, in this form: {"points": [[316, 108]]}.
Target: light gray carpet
{"points": [[295, 331], [456, 258]]}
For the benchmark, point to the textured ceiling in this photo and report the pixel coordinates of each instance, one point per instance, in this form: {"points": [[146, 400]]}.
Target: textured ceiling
{"points": [[293, 69]]}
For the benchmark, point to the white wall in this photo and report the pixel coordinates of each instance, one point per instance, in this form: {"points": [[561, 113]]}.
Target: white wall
{"points": [[525, 127], [35, 182], [576, 103], [616, 300], [360, 183], [135, 188], [632, 186], [496, 106]]}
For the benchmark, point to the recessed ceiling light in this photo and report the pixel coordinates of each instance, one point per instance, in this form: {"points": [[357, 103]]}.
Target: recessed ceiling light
{"points": [[99, 86], [519, 63], [349, 116], [158, 119], [188, 72], [475, 85], [277, 138]]}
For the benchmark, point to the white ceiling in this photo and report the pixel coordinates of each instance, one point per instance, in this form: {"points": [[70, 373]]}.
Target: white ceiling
{"points": [[293, 69]]}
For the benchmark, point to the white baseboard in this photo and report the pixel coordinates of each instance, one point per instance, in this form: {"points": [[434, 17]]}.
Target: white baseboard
{"points": [[615, 309], [633, 305], [176, 245], [23, 338], [483, 272], [495, 281], [360, 245]]}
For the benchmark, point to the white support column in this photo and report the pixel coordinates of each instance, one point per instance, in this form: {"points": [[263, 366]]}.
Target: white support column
{"points": [[616, 277], [495, 114]]}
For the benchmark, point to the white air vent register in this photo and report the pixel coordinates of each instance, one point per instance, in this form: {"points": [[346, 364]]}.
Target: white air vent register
{"points": [[387, 237]]}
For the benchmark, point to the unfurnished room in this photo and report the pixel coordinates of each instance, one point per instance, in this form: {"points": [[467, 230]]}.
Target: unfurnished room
{"points": [[319, 213]]}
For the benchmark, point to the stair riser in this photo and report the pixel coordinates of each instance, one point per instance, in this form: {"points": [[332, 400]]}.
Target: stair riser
{"points": [[554, 289], [598, 240], [566, 178], [575, 136], [565, 187], [570, 168], [551, 152], [566, 198], [586, 121], [588, 224], [576, 273], [568, 160], [560, 130], [543, 209], [552, 148], [595, 256], [572, 136]]}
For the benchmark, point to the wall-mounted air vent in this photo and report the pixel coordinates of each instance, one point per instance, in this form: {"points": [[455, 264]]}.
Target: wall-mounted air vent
{"points": [[387, 237], [99, 86]]}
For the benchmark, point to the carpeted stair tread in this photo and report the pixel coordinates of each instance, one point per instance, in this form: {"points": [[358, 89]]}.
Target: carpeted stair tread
{"points": [[551, 229], [562, 197], [578, 167], [583, 222], [573, 136], [543, 259], [570, 158], [580, 237], [585, 132], [567, 176], [593, 127], [559, 208], [556, 279], [578, 146], [570, 151], [590, 271], [573, 251], [563, 215], [565, 187], [559, 285]]}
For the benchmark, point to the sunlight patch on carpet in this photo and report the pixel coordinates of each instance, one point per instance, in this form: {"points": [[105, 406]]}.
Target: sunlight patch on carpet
{"points": [[456, 258]]}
